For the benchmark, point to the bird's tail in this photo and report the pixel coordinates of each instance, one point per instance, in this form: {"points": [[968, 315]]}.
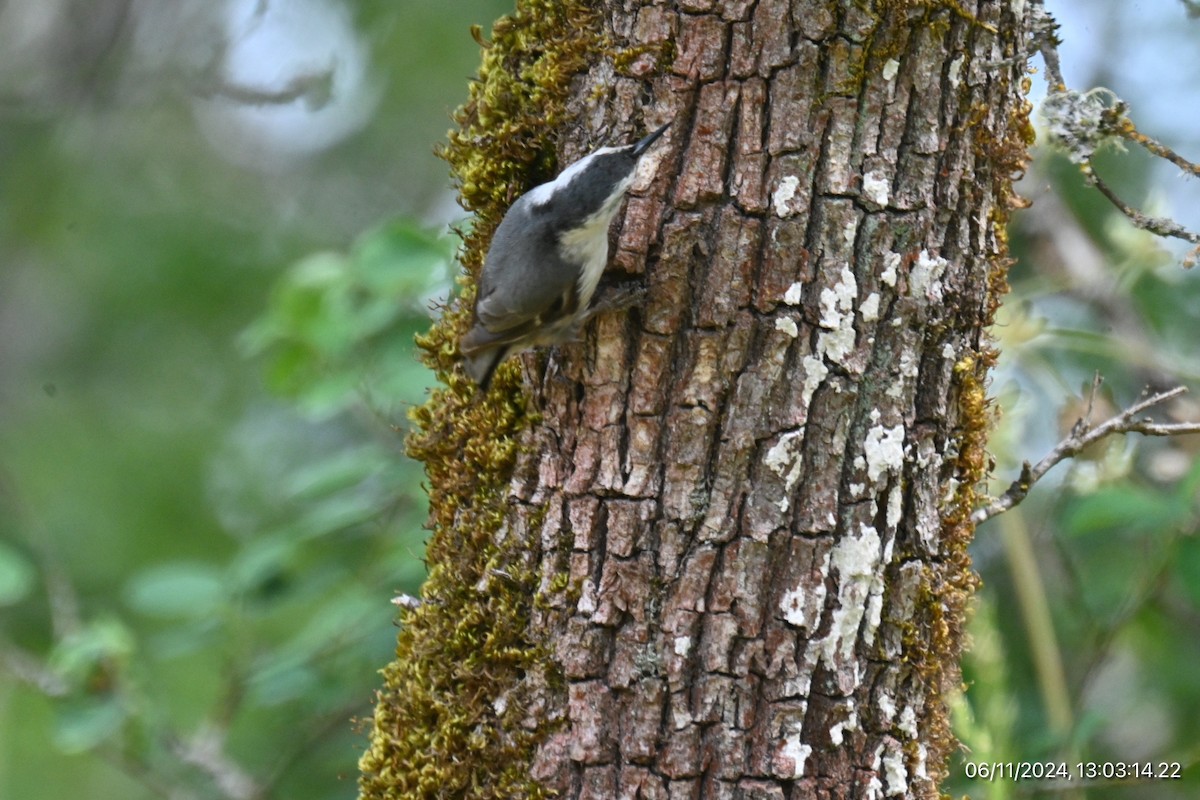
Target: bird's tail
{"points": [[482, 352], [481, 365]]}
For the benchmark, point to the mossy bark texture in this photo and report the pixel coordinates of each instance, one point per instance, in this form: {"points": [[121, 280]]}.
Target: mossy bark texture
{"points": [[717, 548]]}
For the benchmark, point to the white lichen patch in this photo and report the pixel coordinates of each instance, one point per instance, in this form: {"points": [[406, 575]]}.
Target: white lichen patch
{"points": [[850, 232], [795, 608], [792, 606], [895, 506], [815, 372], [922, 757], [786, 459], [895, 773], [884, 451], [683, 645], [838, 344], [877, 188], [954, 74], [837, 317], [1077, 121], [796, 752], [837, 733], [794, 294], [908, 722], [784, 194], [925, 278], [788, 326], [802, 605], [874, 612], [947, 351], [891, 265], [838, 300], [907, 370], [890, 68], [587, 598], [857, 560], [887, 707], [870, 307]]}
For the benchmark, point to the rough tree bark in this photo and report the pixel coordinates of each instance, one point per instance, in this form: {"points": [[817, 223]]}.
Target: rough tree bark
{"points": [[718, 548]]}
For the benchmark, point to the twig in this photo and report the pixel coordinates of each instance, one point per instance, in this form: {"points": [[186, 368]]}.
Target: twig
{"points": [[315, 89], [206, 751], [1156, 225], [1082, 435], [1045, 37], [29, 669], [1124, 127], [1080, 122]]}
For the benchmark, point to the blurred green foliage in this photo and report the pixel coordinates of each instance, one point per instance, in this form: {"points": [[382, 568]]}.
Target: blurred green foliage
{"points": [[204, 374], [339, 327]]}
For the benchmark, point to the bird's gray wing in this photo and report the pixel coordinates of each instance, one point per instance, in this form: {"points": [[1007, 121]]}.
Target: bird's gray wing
{"points": [[523, 276]]}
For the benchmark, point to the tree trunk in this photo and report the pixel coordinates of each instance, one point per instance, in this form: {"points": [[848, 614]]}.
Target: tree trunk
{"points": [[718, 548]]}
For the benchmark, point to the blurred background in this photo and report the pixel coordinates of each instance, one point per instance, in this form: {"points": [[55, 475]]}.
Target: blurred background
{"points": [[1086, 635], [221, 224]]}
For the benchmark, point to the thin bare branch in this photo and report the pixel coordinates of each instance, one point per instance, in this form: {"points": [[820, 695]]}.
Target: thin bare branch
{"points": [[206, 751], [30, 669], [1156, 225], [1045, 37], [1125, 128], [1082, 435]]}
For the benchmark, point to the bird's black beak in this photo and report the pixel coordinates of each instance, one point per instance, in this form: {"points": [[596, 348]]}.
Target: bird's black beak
{"points": [[644, 144]]}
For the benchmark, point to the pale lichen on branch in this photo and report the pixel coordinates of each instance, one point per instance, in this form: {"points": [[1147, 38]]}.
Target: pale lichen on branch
{"points": [[1080, 122]]}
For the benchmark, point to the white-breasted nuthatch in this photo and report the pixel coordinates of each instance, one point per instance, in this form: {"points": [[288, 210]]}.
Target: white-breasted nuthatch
{"points": [[546, 258]]}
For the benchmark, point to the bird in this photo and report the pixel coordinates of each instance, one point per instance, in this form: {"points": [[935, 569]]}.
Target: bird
{"points": [[545, 260]]}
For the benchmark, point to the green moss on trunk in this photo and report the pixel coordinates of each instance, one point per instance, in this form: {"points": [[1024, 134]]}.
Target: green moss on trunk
{"points": [[451, 718]]}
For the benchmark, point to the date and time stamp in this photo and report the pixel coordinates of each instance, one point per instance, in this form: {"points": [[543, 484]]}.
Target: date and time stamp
{"points": [[1078, 771]]}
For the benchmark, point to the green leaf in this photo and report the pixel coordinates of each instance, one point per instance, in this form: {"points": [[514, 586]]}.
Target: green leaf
{"points": [[328, 391], [342, 470], [342, 618], [177, 590], [17, 576], [279, 681], [1187, 569], [335, 513], [81, 725], [1188, 491], [262, 568], [1122, 508], [401, 260], [104, 644], [338, 327], [304, 305]]}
